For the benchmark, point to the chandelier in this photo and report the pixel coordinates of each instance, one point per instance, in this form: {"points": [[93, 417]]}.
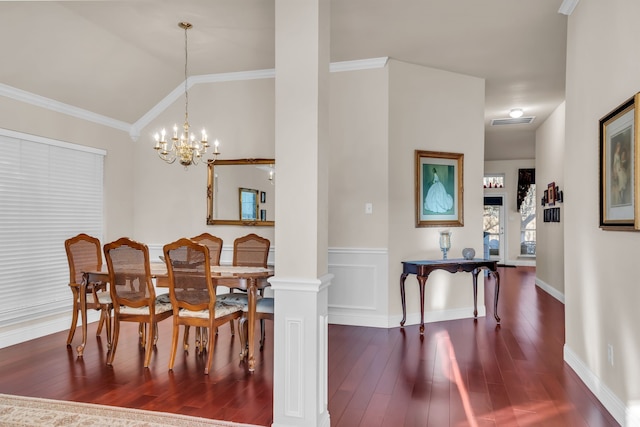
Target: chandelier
{"points": [[183, 145]]}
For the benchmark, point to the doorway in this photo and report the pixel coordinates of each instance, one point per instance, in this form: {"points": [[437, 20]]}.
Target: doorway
{"points": [[493, 227]]}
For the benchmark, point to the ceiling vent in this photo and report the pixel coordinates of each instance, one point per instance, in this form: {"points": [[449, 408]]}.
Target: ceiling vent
{"points": [[510, 121]]}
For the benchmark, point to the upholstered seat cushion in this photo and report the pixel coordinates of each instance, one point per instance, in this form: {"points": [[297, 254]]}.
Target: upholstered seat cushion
{"points": [[222, 309], [163, 299], [103, 298], [161, 307], [263, 305], [241, 297]]}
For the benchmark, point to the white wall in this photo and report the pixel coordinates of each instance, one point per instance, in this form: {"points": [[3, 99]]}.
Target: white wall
{"points": [[358, 256], [171, 202], [601, 276], [550, 161], [425, 113]]}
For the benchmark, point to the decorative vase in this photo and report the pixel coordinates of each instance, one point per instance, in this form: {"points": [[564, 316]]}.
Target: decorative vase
{"points": [[445, 242], [468, 253]]}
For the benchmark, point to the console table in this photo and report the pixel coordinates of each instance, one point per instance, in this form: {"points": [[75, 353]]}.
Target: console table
{"points": [[422, 269]]}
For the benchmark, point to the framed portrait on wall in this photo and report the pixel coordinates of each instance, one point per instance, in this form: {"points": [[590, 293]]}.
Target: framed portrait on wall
{"points": [[438, 189], [618, 172], [551, 194]]}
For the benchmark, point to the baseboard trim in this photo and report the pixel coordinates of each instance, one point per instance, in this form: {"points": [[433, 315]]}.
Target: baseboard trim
{"points": [[608, 399], [393, 321], [25, 331], [550, 290]]}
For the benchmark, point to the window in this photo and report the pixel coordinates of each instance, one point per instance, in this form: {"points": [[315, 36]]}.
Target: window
{"points": [[49, 191], [528, 223], [248, 204], [493, 181], [493, 227]]}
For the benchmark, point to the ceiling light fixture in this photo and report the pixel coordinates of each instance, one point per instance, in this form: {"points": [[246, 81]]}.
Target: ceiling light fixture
{"points": [[567, 7], [516, 113], [184, 146]]}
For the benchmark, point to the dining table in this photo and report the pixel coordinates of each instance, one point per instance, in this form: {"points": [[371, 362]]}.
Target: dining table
{"points": [[245, 278]]}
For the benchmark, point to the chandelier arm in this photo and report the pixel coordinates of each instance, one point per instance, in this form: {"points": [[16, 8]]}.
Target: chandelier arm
{"points": [[167, 157]]}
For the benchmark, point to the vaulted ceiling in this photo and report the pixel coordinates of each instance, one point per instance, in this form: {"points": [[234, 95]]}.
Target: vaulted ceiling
{"points": [[120, 58]]}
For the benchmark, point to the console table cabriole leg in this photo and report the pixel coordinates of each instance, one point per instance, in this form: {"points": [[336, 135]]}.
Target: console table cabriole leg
{"points": [[421, 281], [474, 273], [403, 299], [495, 297]]}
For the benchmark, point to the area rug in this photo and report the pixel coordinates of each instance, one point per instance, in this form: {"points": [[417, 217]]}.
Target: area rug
{"points": [[33, 411]]}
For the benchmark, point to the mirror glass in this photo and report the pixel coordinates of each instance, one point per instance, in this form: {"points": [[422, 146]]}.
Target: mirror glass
{"points": [[241, 192]]}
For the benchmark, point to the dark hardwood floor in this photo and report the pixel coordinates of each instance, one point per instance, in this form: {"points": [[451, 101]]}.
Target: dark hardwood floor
{"points": [[461, 373]]}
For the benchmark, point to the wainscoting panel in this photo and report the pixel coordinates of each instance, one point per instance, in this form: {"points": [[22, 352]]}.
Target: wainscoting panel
{"points": [[359, 290]]}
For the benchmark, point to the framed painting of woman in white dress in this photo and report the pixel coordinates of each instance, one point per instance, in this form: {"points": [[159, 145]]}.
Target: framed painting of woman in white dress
{"points": [[619, 178], [438, 186]]}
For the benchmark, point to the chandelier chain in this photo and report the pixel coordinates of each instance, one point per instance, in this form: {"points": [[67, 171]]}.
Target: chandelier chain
{"points": [[186, 75]]}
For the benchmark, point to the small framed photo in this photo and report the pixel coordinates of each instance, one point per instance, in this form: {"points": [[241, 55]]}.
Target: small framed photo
{"points": [[438, 189], [551, 192], [618, 172], [263, 197]]}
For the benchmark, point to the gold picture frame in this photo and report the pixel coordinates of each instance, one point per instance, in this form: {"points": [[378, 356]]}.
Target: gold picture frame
{"points": [[439, 189], [618, 167]]}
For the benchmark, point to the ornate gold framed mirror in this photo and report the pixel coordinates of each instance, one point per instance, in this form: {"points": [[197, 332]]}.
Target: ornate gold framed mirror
{"points": [[241, 192]]}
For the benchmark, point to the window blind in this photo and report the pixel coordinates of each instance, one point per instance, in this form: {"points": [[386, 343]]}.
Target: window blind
{"points": [[49, 191]]}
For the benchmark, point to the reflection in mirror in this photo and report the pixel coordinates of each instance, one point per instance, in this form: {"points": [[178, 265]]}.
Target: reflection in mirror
{"points": [[248, 204], [241, 192]]}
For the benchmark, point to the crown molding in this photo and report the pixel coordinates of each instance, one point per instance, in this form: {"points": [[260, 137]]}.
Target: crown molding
{"points": [[134, 129], [359, 64], [233, 77], [61, 107]]}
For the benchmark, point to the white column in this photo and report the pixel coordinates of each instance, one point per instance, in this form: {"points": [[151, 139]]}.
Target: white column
{"points": [[301, 281]]}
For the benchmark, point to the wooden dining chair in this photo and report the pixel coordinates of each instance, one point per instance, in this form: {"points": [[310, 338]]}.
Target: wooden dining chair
{"points": [[214, 244], [132, 292], [251, 251], [193, 296], [264, 311], [84, 254], [248, 251]]}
